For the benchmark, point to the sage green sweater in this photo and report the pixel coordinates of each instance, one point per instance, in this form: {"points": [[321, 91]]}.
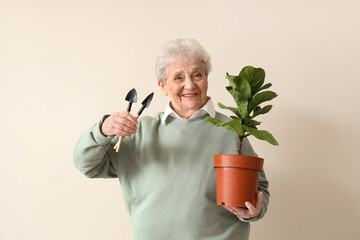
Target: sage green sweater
{"points": [[168, 178]]}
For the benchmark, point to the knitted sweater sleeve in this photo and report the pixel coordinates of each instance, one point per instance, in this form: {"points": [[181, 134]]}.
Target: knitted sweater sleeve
{"points": [[93, 154], [263, 184]]}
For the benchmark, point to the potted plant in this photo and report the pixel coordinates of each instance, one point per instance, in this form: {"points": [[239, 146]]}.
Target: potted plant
{"points": [[237, 175]]}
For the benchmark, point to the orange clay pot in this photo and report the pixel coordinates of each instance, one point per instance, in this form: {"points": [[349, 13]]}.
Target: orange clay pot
{"points": [[237, 179]]}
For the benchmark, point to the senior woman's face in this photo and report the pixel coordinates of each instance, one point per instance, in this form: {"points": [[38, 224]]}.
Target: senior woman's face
{"points": [[186, 85]]}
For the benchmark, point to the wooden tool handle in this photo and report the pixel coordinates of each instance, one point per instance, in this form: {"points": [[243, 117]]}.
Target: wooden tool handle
{"points": [[117, 145]]}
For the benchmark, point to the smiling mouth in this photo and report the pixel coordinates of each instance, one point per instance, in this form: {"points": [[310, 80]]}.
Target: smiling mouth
{"points": [[190, 95]]}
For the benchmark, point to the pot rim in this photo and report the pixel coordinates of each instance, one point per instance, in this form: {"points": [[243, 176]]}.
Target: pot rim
{"points": [[238, 161]]}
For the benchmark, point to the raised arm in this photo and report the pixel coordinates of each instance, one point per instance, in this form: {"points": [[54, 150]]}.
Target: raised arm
{"points": [[94, 155]]}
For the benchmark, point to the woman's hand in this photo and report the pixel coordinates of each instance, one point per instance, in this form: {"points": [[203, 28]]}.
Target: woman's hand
{"points": [[119, 123], [250, 212]]}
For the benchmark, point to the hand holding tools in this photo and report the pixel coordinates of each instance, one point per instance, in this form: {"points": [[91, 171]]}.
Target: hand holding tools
{"points": [[130, 97]]}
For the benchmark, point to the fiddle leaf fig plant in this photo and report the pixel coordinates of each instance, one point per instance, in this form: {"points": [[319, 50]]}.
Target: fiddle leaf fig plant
{"points": [[248, 91]]}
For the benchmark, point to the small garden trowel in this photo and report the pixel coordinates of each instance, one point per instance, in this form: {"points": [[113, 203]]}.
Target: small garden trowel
{"points": [[130, 97], [145, 104]]}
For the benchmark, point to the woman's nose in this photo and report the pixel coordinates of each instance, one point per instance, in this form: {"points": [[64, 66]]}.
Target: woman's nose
{"points": [[189, 84]]}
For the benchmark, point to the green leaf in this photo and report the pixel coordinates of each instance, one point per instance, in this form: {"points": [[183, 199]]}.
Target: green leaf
{"points": [[251, 123], [262, 135], [260, 98], [235, 126], [232, 80], [236, 95], [242, 104], [214, 121], [234, 110], [254, 76], [259, 110], [266, 86], [240, 85], [244, 88], [229, 88]]}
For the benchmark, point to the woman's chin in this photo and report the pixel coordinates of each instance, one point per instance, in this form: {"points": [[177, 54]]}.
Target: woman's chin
{"points": [[192, 106]]}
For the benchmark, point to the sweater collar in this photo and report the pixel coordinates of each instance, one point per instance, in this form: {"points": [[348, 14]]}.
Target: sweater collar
{"points": [[208, 108]]}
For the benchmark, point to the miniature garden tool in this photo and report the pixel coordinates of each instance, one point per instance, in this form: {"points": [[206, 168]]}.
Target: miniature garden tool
{"points": [[130, 97], [145, 104]]}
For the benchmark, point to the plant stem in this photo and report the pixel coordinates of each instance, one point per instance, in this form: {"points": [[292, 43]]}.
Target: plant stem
{"points": [[240, 144]]}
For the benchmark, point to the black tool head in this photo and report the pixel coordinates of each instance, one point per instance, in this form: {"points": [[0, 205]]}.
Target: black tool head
{"points": [[147, 100], [145, 103], [131, 96]]}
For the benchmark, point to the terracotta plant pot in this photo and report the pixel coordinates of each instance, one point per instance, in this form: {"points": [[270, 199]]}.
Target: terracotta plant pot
{"points": [[237, 179]]}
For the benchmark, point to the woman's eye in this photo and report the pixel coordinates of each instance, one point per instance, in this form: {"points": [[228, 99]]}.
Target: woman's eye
{"points": [[198, 75], [178, 78]]}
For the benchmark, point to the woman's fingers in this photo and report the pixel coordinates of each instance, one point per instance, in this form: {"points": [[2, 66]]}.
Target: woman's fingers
{"points": [[259, 200], [128, 116], [125, 121], [250, 211], [119, 123], [124, 124], [235, 210]]}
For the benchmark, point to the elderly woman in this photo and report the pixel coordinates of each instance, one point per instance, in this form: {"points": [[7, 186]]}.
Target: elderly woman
{"points": [[165, 163]]}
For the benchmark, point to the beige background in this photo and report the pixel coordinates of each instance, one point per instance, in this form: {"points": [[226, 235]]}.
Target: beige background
{"points": [[63, 64]]}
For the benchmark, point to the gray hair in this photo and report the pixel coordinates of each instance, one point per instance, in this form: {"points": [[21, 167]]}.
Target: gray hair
{"points": [[180, 49]]}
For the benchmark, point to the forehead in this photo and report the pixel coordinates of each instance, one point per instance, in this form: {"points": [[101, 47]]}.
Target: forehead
{"points": [[186, 65]]}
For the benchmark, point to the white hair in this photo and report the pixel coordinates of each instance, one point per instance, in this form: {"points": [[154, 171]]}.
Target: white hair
{"points": [[180, 49]]}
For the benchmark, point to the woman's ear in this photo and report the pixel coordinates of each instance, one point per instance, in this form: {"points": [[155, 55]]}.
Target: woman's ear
{"points": [[163, 88]]}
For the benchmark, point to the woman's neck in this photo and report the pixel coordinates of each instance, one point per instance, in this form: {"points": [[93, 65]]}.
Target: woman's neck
{"points": [[186, 113]]}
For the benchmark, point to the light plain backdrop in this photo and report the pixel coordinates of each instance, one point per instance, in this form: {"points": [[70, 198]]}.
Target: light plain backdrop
{"points": [[63, 64]]}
